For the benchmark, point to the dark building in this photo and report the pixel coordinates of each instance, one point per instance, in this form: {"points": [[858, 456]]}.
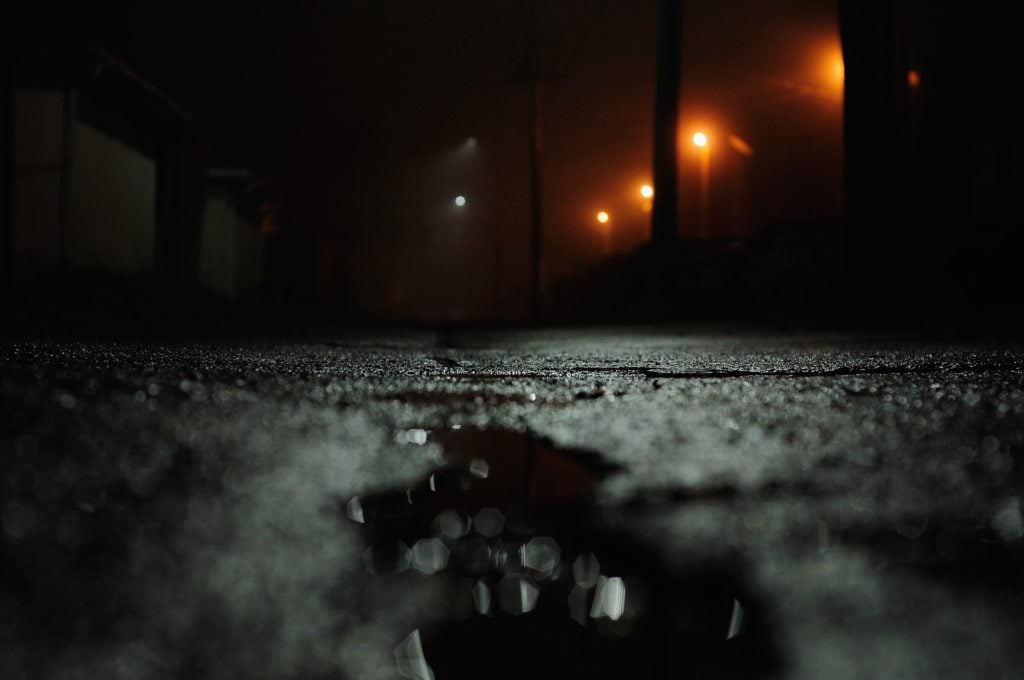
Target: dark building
{"points": [[934, 153], [231, 242], [101, 172]]}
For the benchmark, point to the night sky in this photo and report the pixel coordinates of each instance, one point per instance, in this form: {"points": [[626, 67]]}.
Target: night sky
{"points": [[360, 113]]}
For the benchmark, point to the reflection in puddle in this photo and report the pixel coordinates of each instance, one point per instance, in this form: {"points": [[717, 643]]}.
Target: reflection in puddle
{"points": [[473, 397], [536, 587], [956, 551]]}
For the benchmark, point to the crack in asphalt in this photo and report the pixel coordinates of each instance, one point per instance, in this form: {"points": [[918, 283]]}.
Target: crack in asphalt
{"points": [[447, 362], [835, 372], [659, 374]]}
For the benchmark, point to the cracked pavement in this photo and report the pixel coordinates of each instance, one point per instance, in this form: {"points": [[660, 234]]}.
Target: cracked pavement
{"points": [[174, 510]]}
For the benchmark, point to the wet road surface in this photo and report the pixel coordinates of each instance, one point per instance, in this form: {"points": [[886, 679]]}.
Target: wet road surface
{"points": [[553, 504]]}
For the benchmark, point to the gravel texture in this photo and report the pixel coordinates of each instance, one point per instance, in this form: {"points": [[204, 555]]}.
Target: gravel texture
{"points": [[179, 510]]}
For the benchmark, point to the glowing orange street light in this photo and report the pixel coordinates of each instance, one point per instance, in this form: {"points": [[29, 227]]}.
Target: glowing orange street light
{"points": [[700, 139], [647, 193], [833, 71], [839, 70], [603, 217]]}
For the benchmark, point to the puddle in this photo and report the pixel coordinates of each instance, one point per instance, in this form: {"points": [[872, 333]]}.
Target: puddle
{"points": [[470, 398], [536, 586]]}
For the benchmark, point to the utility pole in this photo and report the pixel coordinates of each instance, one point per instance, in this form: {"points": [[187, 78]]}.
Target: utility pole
{"points": [[64, 196], [664, 227], [7, 170], [535, 85], [534, 68]]}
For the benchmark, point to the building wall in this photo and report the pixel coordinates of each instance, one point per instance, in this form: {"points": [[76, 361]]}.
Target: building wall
{"points": [[231, 249], [38, 131], [113, 222], [112, 188]]}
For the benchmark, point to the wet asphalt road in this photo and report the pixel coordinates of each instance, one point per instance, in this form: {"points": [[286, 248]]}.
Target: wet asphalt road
{"points": [[668, 503]]}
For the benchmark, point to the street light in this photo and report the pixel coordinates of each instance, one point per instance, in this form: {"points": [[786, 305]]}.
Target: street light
{"points": [[605, 220], [839, 70], [460, 201], [832, 73], [701, 141], [647, 193]]}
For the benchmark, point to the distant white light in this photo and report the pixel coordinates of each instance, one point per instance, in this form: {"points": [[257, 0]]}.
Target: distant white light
{"points": [[460, 201]]}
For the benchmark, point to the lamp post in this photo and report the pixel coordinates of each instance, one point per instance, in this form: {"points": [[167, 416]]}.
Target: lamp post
{"points": [[605, 222], [701, 141]]}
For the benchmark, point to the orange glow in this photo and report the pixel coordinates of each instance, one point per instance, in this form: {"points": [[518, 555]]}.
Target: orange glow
{"points": [[603, 217], [740, 146], [700, 139], [647, 191], [913, 78], [833, 68]]}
